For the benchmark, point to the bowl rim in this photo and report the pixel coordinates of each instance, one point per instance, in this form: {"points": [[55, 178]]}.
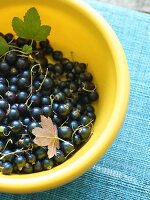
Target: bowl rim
{"points": [[120, 108]]}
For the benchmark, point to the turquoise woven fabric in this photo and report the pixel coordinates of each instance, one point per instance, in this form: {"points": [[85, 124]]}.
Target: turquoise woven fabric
{"points": [[124, 171]]}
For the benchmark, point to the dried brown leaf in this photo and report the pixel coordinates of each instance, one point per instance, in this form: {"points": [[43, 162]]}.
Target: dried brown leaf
{"points": [[47, 136]]}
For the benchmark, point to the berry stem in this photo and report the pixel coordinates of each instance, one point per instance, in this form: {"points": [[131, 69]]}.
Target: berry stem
{"points": [[42, 81]]}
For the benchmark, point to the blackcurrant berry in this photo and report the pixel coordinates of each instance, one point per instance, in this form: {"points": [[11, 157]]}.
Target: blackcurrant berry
{"points": [[47, 163], [20, 161], [16, 126], [11, 58], [31, 158], [27, 169], [13, 114], [67, 147], [4, 104], [65, 132], [40, 153], [2, 115], [3, 89], [22, 97], [59, 157], [36, 112], [10, 96], [57, 55], [4, 67], [47, 111], [7, 168], [37, 167], [9, 37]]}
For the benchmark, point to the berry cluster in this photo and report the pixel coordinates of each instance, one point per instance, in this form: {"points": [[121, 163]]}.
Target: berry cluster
{"points": [[31, 86]]}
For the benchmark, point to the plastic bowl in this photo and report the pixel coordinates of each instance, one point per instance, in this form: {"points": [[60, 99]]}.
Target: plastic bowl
{"points": [[79, 29]]}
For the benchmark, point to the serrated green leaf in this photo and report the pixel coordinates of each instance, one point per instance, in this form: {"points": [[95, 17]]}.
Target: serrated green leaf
{"points": [[32, 22], [18, 27], [4, 47], [31, 27], [27, 49], [43, 33]]}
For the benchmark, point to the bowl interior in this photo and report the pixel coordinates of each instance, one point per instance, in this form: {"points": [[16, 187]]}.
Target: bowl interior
{"points": [[75, 30]]}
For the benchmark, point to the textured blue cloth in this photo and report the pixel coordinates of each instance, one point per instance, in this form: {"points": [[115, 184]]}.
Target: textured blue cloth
{"points": [[124, 171]]}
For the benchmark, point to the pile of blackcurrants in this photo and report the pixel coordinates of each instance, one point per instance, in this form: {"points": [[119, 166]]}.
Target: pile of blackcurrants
{"points": [[43, 83]]}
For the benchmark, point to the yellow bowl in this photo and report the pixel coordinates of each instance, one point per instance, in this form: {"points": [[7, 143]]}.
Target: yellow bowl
{"points": [[79, 29]]}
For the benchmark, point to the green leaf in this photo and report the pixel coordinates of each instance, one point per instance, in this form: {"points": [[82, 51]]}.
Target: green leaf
{"points": [[4, 47], [43, 33], [18, 27], [31, 27], [32, 21], [27, 48]]}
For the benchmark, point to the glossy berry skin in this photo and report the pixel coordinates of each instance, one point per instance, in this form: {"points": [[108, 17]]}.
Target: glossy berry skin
{"points": [[26, 74], [44, 44], [2, 145], [21, 42], [5, 131], [63, 110], [3, 89], [35, 100], [84, 120], [47, 111], [2, 115], [7, 168], [36, 112], [11, 58], [21, 63], [40, 153], [57, 120], [32, 126], [48, 84], [93, 96], [69, 66], [13, 114], [9, 157], [20, 161], [67, 147], [59, 157], [4, 67], [26, 142], [60, 97], [27, 121], [77, 140], [73, 124], [58, 69], [16, 126], [9, 37], [31, 158], [3, 80], [22, 108], [13, 88], [3, 104], [45, 101], [84, 132], [10, 96], [57, 55], [22, 97], [37, 167], [23, 82], [65, 132], [13, 80], [27, 169], [47, 163], [75, 114]]}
